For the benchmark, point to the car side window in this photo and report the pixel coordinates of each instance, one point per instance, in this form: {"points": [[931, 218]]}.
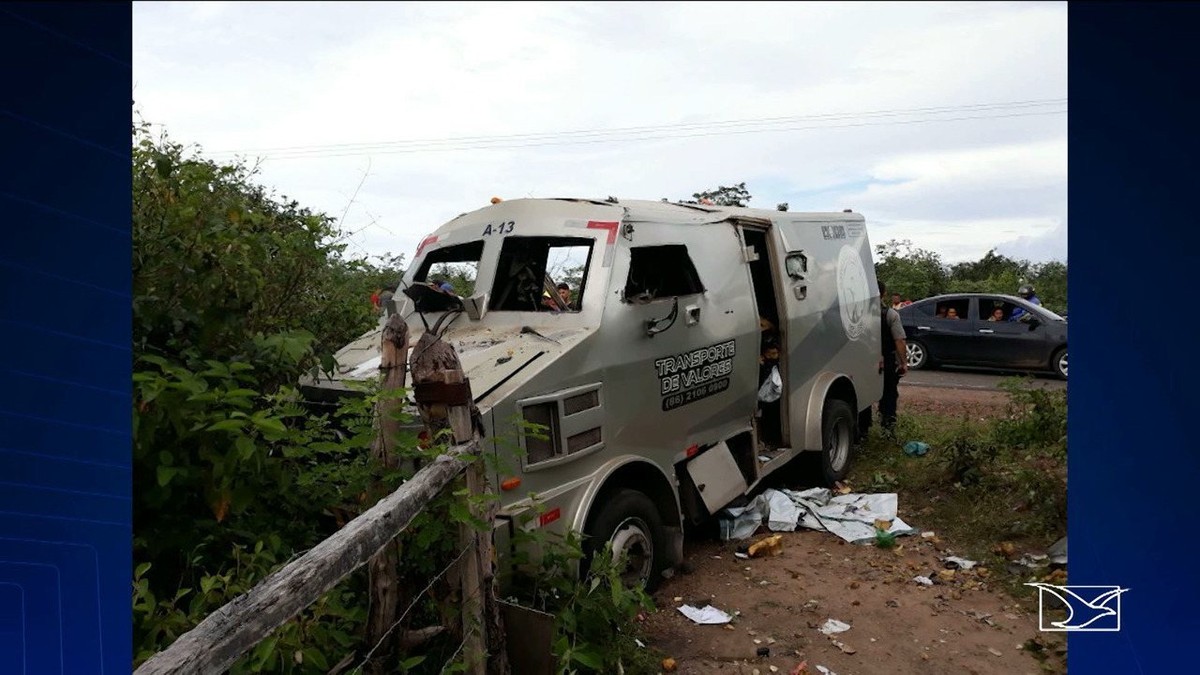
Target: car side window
{"points": [[952, 310], [995, 309], [661, 272]]}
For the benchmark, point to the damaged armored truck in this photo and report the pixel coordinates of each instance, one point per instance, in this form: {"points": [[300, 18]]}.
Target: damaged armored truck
{"points": [[683, 353]]}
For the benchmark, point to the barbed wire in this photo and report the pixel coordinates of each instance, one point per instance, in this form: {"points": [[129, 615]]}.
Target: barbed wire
{"points": [[416, 599]]}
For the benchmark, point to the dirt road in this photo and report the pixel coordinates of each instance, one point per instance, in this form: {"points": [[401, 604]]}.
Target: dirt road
{"points": [[897, 625]]}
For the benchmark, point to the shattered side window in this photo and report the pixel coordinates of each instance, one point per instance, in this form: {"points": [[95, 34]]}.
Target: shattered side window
{"points": [[456, 265], [661, 272], [541, 274]]}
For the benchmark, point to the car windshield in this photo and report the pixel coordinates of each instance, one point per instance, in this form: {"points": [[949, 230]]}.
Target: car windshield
{"points": [[1051, 315]]}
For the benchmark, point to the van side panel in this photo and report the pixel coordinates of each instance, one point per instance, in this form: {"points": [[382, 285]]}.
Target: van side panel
{"points": [[832, 325]]}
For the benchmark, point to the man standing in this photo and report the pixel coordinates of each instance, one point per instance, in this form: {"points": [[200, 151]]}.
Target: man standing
{"points": [[893, 361], [897, 301]]}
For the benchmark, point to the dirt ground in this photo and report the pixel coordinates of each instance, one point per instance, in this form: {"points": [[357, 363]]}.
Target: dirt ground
{"points": [[958, 625]]}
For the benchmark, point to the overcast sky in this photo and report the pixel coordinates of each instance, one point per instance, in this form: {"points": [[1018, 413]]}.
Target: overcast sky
{"points": [[943, 123]]}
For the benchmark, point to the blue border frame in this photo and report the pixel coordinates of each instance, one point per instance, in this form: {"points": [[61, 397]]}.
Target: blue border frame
{"points": [[65, 319]]}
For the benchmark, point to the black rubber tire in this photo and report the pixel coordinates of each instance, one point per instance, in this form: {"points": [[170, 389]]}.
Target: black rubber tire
{"points": [[837, 414], [618, 508], [1059, 355], [925, 361]]}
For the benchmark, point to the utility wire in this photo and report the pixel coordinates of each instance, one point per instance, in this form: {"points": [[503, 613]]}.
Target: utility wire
{"points": [[685, 130]]}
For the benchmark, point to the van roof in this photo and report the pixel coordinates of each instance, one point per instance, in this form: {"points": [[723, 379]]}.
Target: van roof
{"points": [[644, 210]]}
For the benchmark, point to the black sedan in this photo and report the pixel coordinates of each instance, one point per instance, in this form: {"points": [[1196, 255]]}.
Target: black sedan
{"points": [[985, 331]]}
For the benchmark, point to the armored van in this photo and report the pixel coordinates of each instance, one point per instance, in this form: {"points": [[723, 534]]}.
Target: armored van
{"points": [[651, 371]]}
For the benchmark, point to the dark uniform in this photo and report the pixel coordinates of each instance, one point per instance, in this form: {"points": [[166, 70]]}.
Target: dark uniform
{"points": [[891, 379]]}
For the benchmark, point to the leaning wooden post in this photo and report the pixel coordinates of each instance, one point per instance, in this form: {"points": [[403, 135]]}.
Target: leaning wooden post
{"points": [[384, 568], [444, 397]]}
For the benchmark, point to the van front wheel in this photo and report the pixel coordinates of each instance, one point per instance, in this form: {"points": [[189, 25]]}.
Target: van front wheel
{"points": [[629, 521], [837, 441]]}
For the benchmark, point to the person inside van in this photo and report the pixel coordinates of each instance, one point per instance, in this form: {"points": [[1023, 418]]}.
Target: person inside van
{"points": [[997, 315]]}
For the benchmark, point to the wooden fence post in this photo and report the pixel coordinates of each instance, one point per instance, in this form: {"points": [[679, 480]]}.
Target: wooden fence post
{"points": [[384, 568], [444, 395]]}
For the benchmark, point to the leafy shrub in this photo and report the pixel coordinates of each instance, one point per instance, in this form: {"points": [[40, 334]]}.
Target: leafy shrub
{"points": [[1037, 417]]}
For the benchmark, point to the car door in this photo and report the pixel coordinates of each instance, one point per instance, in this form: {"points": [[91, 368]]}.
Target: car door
{"points": [[1007, 344], [948, 340]]}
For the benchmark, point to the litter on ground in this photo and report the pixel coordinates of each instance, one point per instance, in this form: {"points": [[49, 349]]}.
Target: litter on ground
{"points": [[924, 581], [708, 616], [849, 516], [959, 563], [833, 626]]}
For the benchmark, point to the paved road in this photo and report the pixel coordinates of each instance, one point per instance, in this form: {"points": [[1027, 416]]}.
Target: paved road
{"points": [[969, 379]]}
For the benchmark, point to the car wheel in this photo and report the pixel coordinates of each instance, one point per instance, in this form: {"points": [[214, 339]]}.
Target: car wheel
{"points": [[918, 355], [837, 441], [629, 520], [1059, 363]]}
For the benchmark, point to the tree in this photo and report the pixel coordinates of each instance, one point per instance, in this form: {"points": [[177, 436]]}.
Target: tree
{"points": [[736, 195], [912, 272]]}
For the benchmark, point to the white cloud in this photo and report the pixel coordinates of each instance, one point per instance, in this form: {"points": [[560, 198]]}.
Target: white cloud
{"points": [[234, 76]]}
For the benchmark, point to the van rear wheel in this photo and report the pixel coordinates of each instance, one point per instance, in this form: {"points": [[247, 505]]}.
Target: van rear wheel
{"points": [[629, 521], [837, 441]]}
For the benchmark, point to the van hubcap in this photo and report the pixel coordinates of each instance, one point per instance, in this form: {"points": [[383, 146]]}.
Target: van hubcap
{"points": [[839, 446], [633, 552]]}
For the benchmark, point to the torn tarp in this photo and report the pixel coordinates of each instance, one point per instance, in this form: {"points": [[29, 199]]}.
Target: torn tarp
{"points": [[851, 517]]}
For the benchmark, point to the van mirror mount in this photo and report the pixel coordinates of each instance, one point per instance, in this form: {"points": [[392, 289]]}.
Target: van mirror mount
{"points": [[652, 325]]}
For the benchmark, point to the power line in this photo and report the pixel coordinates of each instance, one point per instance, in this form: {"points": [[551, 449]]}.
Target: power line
{"points": [[666, 136], [638, 132]]}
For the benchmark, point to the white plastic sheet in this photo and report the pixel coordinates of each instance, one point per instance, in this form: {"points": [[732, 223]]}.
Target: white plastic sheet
{"points": [[772, 387], [708, 616], [851, 517]]}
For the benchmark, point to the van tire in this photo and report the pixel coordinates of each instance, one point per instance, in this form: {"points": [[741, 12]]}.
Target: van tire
{"points": [[837, 441], [630, 520]]}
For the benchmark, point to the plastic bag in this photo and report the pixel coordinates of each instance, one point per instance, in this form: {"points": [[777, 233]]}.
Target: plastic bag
{"points": [[772, 387]]}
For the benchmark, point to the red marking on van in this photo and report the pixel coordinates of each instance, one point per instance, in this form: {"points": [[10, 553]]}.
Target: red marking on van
{"points": [[431, 239], [549, 517], [602, 225]]}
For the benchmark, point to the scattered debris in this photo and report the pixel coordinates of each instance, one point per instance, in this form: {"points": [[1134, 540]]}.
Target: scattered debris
{"points": [[640, 643], [773, 669], [928, 534], [1034, 560], [1058, 552], [825, 671], [800, 669], [832, 626], [708, 616], [915, 448], [772, 545], [995, 652], [846, 649], [924, 581], [668, 665], [1006, 549], [849, 516], [955, 562], [741, 555], [763, 651]]}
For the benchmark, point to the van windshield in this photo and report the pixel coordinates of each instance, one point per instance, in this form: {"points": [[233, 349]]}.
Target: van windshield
{"points": [[455, 265], [541, 274]]}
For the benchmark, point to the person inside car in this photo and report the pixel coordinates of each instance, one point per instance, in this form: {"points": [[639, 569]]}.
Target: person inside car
{"points": [[997, 315], [951, 313]]}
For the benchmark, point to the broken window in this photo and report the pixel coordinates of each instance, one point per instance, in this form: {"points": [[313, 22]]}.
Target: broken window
{"points": [[661, 272], [456, 265], [541, 274]]}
